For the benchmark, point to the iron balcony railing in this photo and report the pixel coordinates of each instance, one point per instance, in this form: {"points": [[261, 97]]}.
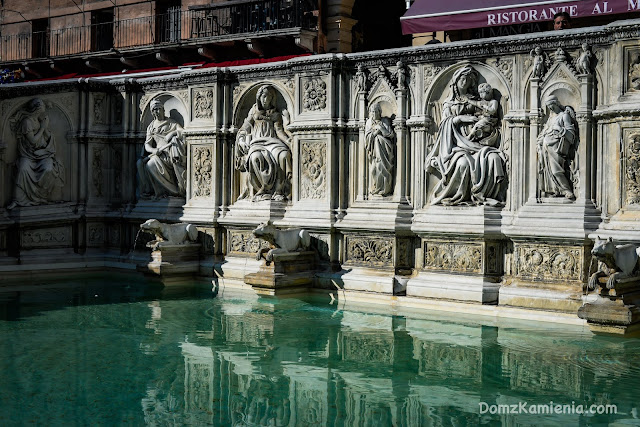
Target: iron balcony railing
{"points": [[174, 27]]}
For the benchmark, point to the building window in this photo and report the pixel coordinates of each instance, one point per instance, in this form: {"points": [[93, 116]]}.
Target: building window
{"points": [[102, 29], [40, 38]]}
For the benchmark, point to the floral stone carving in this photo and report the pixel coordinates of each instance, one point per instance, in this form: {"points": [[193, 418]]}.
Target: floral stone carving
{"points": [[380, 147], [202, 170], [548, 262], [372, 251], [39, 172], [314, 97], [203, 104], [162, 171], [313, 170], [557, 143], [632, 170], [262, 150], [466, 158], [452, 256], [245, 243]]}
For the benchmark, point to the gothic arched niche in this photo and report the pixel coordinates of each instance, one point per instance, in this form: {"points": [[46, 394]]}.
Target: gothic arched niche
{"points": [[54, 139], [248, 98], [173, 108]]}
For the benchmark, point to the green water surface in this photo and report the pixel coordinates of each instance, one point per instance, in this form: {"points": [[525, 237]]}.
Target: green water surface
{"points": [[118, 351]]}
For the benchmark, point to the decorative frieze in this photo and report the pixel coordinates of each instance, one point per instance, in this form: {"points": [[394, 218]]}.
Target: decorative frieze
{"points": [[96, 167], [549, 262], [243, 242], [202, 171], [505, 66], [456, 257], [203, 104], [632, 170], [369, 251], [313, 170], [46, 238], [430, 73], [314, 95]]}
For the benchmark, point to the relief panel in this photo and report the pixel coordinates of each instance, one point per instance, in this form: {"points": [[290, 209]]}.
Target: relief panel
{"points": [[46, 238], [549, 262], [369, 251], [243, 242], [313, 170]]}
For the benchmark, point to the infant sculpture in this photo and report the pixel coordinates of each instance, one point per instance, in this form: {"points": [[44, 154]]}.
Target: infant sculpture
{"points": [[285, 241]]}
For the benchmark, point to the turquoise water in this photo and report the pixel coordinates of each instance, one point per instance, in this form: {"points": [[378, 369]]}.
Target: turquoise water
{"points": [[121, 352]]}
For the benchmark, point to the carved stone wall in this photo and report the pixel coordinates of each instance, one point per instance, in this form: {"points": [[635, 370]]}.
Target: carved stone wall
{"points": [[313, 170], [369, 251], [547, 262], [244, 243]]}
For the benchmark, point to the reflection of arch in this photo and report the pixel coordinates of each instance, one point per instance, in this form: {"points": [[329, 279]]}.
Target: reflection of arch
{"points": [[439, 89], [248, 97], [174, 107]]}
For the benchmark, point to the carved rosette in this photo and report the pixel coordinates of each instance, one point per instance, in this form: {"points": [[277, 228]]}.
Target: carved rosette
{"points": [[95, 234], [369, 251], [313, 170], [430, 73], [203, 104], [632, 170], [47, 238], [243, 242], [314, 95], [96, 167], [549, 262], [202, 171], [453, 256]]}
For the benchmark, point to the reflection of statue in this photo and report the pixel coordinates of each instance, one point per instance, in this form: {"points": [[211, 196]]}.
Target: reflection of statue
{"points": [[556, 149], [470, 171], [583, 65], [163, 171], [380, 146], [262, 150], [39, 172]]}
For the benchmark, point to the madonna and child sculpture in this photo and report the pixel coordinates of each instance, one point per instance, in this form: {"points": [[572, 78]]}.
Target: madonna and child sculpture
{"points": [[262, 150], [466, 158], [162, 172], [39, 173]]}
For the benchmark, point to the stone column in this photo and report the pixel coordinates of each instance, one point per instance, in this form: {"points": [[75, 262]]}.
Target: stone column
{"points": [[339, 25], [361, 165], [535, 116], [403, 168], [586, 149]]}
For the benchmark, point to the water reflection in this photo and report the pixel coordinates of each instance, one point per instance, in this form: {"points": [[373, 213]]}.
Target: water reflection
{"points": [[143, 355]]}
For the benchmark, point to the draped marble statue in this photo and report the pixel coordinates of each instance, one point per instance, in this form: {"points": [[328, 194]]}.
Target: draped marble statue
{"points": [[262, 150], [466, 158], [162, 172], [380, 147], [556, 150], [39, 173]]}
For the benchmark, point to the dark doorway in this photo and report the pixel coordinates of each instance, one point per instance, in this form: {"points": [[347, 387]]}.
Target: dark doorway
{"points": [[40, 38], [168, 21], [102, 29]]}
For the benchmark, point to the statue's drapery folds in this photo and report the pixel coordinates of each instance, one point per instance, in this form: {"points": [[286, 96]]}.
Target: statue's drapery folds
{"points": [[262, 151], [380, 146], [162, 171], [39, 173], [466, 158]]}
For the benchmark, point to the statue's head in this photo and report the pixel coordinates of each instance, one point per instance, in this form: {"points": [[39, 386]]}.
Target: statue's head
{"points": [[585, 47], [375, 111], [266, 97], [552, 102], [464, 79], [36, 105], [485, 91], [157, 109], [538, 50]]}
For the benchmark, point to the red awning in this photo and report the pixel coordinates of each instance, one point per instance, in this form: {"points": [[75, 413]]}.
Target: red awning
{"points": [[429, 15]]}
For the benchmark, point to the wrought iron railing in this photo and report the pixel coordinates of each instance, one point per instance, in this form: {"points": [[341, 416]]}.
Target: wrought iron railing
{"points": [[175, 27]]}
